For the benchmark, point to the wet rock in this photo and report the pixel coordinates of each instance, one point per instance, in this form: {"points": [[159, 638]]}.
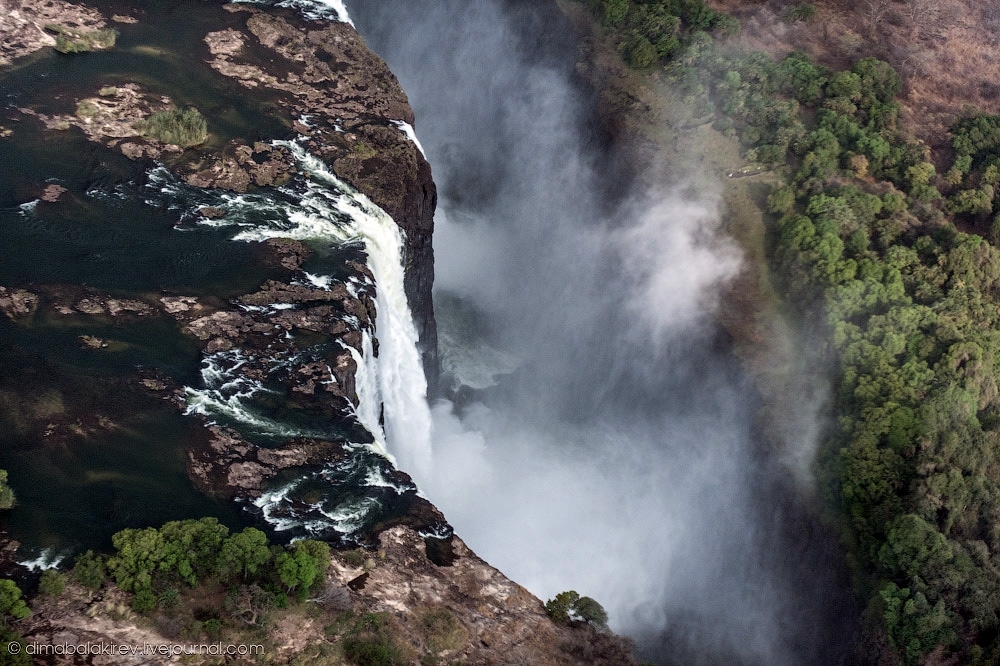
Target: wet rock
{"points": [[211, 212], [239, 166], [92, 342], [176, 305], [334, 80], [288, 253], [52, 193], [229, 465], [22, 30], [17, 303], [226, 324]]}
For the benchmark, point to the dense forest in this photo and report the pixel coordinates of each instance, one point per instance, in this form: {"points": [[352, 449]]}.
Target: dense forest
{"points": [[897, 264]]}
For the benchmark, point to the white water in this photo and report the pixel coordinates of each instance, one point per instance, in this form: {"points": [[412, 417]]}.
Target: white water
{"points": [[401, 386], [314, 10], [408, 130], [331, 212], [47, 559], [227, 392]]}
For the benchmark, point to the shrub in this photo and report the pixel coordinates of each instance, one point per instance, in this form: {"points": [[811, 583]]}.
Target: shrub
{"points": [[781, 200], [6, 493], [803, 11], [369, 642], [372, 650], [11, 603], [144, 600], [72, 41], [363, 150], [87, 109], [442, 630], [570, 605], [612, 12], [89, 570], [182, 128], [640, 53], [590, 612], [52, 583], [169, 599]]}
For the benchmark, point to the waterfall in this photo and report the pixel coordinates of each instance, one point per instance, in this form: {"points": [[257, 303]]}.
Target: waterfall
{"points": [[402, 387], [391, 384]]}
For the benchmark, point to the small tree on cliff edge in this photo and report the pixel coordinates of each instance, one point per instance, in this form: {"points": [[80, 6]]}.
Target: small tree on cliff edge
{"points": [[570, 605]]}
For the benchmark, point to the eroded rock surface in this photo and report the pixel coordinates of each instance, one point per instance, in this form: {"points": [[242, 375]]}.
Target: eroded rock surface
{"points": [[22, 24], [345, 99]]}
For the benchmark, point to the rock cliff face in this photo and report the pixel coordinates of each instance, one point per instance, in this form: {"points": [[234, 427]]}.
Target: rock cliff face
{"points": [[354, 110], [352, 113]]}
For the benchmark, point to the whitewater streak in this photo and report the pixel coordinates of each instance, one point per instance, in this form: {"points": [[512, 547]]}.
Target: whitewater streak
{"points": [[391, 388]]}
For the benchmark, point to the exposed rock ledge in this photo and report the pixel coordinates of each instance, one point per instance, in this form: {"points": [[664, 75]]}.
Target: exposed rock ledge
{"points": [[324, 75], [497, 622], [22, 30]]}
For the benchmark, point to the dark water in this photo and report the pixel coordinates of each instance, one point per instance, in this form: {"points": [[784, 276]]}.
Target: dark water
{"points": [[88, 450], [122, 462]]}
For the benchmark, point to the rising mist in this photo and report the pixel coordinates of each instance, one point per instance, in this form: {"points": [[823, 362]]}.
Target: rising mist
{"points": [[620, 458]]}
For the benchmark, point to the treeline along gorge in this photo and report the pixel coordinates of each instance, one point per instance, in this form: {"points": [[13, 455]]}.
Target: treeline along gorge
{"points": [[682, 314]]}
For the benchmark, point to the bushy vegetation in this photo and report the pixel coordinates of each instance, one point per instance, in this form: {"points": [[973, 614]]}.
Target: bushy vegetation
{"points": [[184, 128], [803, 11], [156, 564], [910, 305], [69, 40], [12, 605], [369, 642], [7, 499], [865, 241], [653, 31], [570, 605]]}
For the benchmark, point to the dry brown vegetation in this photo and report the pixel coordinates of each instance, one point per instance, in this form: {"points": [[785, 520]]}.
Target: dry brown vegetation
{"points": [[946, 50]]}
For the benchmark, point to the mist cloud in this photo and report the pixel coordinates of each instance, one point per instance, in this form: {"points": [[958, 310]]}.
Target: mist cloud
{"points": [[621, 459]]}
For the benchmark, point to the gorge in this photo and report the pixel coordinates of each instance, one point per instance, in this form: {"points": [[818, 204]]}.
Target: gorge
{"points": [[619, 437], [591, 428]]}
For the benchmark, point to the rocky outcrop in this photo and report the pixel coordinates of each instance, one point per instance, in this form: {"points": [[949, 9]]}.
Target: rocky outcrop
{"points": [[295, 340], [228, 465], [457, 611], [350, 106], [22, 30]]}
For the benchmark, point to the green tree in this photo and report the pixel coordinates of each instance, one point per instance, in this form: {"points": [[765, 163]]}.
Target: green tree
{"points": [[244, 552], [7, 499], [137, 557], [11, 603], [640, 52], [781, 200], [88, 570], [191, 548], [590, 611], [612, 12], [559, 607]]}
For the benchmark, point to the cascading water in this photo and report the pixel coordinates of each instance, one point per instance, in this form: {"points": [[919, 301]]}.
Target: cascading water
{"points": [[322, 211], [622, 458]]}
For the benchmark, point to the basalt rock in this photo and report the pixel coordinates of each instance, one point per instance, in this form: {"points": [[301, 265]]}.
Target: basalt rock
{"points": [[228, 465], [349, 105], [22, 30]]}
